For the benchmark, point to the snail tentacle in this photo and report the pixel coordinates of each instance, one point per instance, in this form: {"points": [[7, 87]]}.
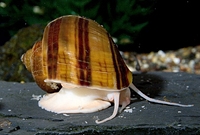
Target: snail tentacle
{"points": [[155, 100], [116, 106]]}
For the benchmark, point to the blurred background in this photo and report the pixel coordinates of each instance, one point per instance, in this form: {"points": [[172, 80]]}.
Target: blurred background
{"points": [[139, 27], [123, 20]]}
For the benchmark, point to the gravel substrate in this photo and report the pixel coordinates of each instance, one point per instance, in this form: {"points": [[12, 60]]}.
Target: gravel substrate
{"points": [[184, 59]]}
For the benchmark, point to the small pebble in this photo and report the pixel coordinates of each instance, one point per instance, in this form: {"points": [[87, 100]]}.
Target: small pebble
{"points": [[176, 60], [179, 125], [4, 123], [128, 110], [36, 97]]}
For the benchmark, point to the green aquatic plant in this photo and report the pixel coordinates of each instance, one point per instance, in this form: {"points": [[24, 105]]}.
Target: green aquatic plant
{"points": [[122, 19]]}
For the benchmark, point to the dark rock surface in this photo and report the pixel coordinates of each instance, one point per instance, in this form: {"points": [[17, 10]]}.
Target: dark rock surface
{"points": [[18, 107]]}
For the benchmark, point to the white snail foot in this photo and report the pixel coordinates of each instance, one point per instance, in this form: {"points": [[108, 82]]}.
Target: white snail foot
{"points": [[73, 101]]}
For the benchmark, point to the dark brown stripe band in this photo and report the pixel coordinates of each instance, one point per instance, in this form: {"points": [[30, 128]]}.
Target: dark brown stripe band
{"points": [[52, 49], [123, 69], [84, 52], [114, 62], [81, 50], [87, 56], [76, 44], [49, 51]]}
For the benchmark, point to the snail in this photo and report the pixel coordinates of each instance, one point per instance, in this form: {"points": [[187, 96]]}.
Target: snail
{"points": [[79, 66]]}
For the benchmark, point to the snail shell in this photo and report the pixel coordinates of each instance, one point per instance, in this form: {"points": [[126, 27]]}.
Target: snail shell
{"points": [[78, 62], [79, 52]]}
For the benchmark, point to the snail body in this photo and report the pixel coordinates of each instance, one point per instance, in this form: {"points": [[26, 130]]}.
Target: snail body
{"points": [[79, 66]]}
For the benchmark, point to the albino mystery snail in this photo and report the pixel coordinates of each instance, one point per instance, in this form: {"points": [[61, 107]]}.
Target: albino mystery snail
{"points": [[79, 66]]}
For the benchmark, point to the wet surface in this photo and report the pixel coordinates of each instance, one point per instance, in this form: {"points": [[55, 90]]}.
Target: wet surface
{"points": [[19, 109]]}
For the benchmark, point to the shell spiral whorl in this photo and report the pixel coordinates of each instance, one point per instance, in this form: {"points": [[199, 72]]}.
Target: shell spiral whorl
{"points": [[80, 52]]}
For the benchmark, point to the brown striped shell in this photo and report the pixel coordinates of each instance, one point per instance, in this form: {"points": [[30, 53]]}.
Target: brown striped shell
{"points": [[79, 52]]}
